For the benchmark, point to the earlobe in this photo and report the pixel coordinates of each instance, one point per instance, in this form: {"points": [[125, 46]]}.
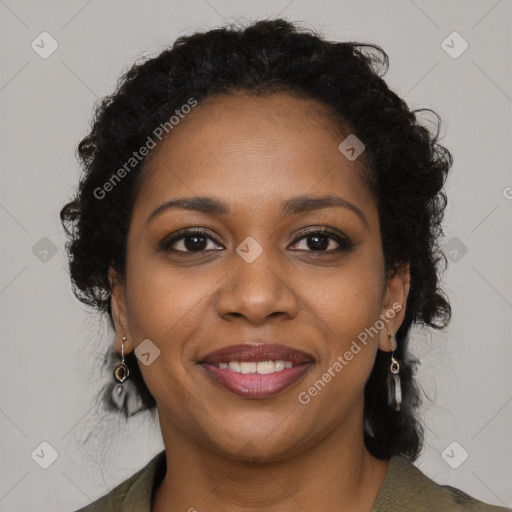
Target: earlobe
{"points": [[119, 311], [394, 303]]}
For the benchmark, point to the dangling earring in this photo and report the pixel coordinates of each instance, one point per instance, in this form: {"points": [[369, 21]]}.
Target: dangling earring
{"points": [[121, 371], [121, 374], [394, 387]]}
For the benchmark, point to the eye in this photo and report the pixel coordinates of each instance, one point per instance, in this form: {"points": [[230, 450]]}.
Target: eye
{"points": [[324, 240], [197, 241], [188, 241]]}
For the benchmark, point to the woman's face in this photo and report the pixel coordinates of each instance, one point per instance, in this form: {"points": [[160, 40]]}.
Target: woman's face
{"points": [[253, 274]]}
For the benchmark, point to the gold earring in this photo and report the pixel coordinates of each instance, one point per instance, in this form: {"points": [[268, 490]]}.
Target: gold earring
{"points": [[121, 371]]}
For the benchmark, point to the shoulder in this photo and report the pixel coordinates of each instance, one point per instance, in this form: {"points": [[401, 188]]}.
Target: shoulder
{"points": [[407, 489], [134, 493]]}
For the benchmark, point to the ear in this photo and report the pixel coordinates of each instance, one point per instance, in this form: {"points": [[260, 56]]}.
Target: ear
{"points": [[119, 311], [396, 292]]}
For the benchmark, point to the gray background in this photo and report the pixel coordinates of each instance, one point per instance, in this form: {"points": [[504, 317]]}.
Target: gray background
{"points": [[50, 343]]}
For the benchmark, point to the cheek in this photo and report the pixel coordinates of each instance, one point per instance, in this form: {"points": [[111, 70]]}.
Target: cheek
{"points": [[164, 306], [162, 301], [347, 301], [349, 305], [347, 357]]}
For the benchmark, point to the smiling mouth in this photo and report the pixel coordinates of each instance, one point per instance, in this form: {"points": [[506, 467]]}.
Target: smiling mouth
{"points": [[256, 370], [239, 378]]}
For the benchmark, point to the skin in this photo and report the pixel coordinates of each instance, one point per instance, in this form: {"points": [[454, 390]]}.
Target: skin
{"points": [[225, 452]]}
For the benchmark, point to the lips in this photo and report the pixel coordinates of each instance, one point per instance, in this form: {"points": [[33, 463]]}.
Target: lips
{"points": [[278, 368], [257, 351]]}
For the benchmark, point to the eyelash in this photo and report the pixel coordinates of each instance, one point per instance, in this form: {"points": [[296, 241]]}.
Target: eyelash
{"points": [[345, 244]]}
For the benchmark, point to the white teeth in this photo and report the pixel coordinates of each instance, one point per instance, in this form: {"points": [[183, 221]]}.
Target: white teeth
{"points": [[247, 367], [279, 365], [261, 367], [265, 367], [234, 366]]}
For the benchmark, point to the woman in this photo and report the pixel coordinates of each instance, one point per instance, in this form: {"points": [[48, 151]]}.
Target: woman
{"points": [[259, 217]]}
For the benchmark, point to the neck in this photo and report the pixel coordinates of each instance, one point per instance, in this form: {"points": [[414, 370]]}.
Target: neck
{"points": [[338, 473]]}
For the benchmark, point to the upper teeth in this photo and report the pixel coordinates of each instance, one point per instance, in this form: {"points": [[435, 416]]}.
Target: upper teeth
{"points": [[261, 367]]}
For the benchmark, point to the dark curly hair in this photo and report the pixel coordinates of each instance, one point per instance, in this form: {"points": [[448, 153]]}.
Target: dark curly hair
{"points": [[406, 170]]}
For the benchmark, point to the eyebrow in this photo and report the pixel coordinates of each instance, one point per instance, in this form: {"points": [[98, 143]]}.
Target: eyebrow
{"points": [[292, 206]]}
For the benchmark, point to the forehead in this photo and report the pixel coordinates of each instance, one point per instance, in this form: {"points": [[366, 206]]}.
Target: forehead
{"points": [[242, 148]]}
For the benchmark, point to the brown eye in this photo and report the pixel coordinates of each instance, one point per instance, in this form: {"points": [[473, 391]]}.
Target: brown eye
{"points": [[189, 241], [324, 241]]}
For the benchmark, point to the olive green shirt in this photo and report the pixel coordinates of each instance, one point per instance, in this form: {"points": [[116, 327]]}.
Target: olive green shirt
{"points": [[405, 489]]}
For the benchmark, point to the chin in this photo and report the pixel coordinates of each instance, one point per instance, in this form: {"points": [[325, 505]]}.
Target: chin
{"points": [[249, 446]]}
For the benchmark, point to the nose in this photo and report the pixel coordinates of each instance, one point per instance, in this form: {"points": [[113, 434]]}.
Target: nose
{"points": [[256, 291]]}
